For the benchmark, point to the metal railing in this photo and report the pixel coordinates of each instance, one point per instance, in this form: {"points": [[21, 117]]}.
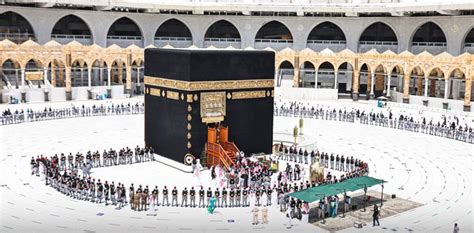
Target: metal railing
{"points": [[165, 38], [124, 37], [468, 44], [378, 42], [16, 35], [222, 39], [434, 44], [274, 40], [341, 42], [70, 36]]}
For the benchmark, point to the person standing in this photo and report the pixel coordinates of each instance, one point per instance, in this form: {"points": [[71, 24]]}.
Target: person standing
{"points": [[184, 198], [174, 197], [165, 197], [201, 197], [376, 215], [456, 228], [192, 194], [208, 195], [255, 211], [264, 214]]}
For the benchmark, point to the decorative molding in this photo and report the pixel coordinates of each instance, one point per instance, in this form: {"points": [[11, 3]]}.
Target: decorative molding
{"points": [[172, 95], [248, 95], [189, 98], [209, 85], [154, 91]]}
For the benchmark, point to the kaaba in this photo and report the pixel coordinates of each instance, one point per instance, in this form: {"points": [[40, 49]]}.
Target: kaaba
{"points": [[189, 90]]}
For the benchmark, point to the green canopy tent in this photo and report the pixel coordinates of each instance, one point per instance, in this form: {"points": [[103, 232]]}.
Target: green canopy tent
{"points": [[349, 185]]}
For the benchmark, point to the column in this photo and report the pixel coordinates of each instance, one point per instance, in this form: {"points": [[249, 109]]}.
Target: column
{"points": [[68, 83], [109, 71], [389, 77], [89, 80], [128, 84], [426, 87], [22, 72], [89, 77], [45, 77], [316, 78], [335, 79], [109, 90], [467, 94], [372, 84], [406, 88], [446, 88], [355, 85], [53, 75], [23, 91], [296, 77], [120, 73]]}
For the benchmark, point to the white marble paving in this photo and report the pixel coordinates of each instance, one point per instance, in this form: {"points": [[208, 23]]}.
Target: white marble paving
{"points": [[434, 171]]}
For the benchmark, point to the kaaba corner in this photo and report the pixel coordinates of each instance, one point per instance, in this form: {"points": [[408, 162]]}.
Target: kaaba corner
{"points": [[196, 100]]}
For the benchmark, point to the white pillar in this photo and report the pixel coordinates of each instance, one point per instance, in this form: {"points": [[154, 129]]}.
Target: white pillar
{"points": [[89, 77], [446, 88], [372, 83], [137, 74], [389, 77], [108, 77], [45, 76], [426, 87], [335, 79], [22, 71], [316, 78]]}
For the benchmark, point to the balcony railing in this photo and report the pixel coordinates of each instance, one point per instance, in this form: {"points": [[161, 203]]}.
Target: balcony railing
{"points": [[468, 44], [378, 42], [222, 39], [165, 38], [434, 44], [341, 42], [124, 37], [68, 36], [274, 40], [16, 36]]}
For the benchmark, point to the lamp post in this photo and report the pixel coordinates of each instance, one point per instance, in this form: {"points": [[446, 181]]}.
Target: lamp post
{"points": [[295, 133]]}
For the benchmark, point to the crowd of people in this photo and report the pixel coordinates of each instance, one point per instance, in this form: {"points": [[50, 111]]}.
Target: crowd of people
{"points": [[29, 115], [447, 126], [248, 181]]}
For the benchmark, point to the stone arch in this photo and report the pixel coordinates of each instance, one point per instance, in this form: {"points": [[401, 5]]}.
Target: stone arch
{"points": [[326, 75], [307, 74], [57, 73], [456, 84], [117, 72], [395, 75], [79, 73], [17, 27], [436, 83], [285, 73], [468, 41], [334, 38], [274, 34], [428, 36], [222, 33], [11, 70], [380, 36], [345, 77], [125, 38], [99, 72], [174, 32], [64, 33]]}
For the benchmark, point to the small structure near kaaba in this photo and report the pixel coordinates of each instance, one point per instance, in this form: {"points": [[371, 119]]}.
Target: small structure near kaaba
{"points": [[208, 104]]}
